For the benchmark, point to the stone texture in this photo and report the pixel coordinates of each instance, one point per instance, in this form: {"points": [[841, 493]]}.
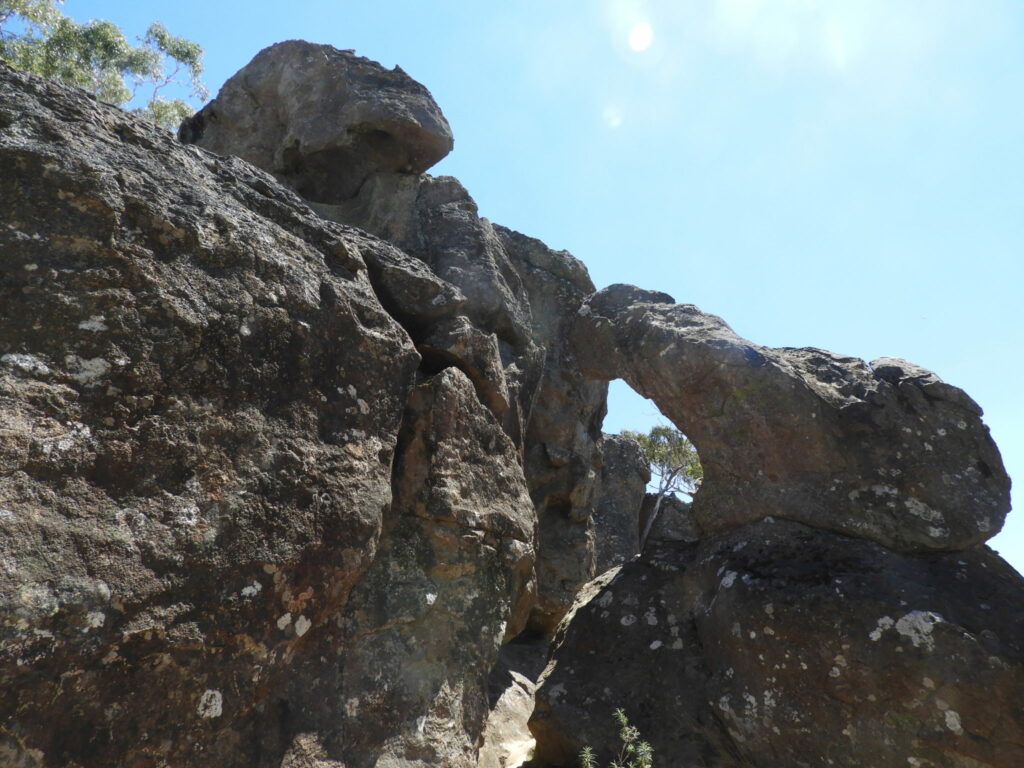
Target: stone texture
{"points": [[625, 473], [508, 299], [199, 397], [780, 645], [891, 452], [453, 580], [322, 120]]}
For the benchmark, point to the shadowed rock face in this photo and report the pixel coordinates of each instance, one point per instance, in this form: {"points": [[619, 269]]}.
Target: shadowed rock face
{"points": [[322, 120], [454, 579], [886, 451], [782, 645]]}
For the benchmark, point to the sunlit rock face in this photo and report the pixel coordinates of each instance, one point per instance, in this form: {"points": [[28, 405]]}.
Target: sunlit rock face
{"points": [[288, 457], [516, 297], [826, 599], [886, 451], [322, 120], [200, 398]]}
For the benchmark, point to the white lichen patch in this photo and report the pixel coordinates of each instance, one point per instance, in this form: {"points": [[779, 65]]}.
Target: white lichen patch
{"points": [[953, 722], [651, 617], [87, 372], [95, 323], [211, 704], [187, 514], [25, 363], [431, 598], [94, 620], [302, 625], [656, 645], [918, 508], [252, 589], [628, 620], [284, 621], [729, 579], [884, 623], [917, 627]]}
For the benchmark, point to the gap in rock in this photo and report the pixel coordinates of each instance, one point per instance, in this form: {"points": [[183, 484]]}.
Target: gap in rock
{"points": [[665, 510]]}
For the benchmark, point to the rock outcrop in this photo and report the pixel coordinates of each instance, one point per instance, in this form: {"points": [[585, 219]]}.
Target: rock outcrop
{"points": [[826, 599], [322, 120], [886, 451], [782, 645], [519, 297], [301, 466]]}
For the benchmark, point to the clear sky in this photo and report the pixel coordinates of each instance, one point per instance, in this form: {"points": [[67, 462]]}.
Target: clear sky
{"points": [[846, 174]]}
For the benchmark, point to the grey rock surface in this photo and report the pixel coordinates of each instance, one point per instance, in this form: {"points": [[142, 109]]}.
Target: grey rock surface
{"points": [[328, 491], [453, 580], [200, 397], [625, 473], [782, 645], [893, 454], [504, 301], [322, 120]]}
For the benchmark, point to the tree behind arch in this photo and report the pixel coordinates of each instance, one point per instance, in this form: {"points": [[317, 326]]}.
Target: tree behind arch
{"points": [[675, 466]]}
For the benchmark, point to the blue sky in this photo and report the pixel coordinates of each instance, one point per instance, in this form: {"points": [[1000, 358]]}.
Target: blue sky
{"points": [[843, 174]]}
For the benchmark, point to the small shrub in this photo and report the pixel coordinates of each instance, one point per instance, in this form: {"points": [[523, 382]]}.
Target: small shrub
{"points": [[634, 753]]}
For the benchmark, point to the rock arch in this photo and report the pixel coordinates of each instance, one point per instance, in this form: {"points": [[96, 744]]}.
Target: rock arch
{"points": [[885, 451]]}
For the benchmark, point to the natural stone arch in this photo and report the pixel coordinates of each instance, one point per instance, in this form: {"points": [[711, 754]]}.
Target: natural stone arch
{"points": [[886, 451]]}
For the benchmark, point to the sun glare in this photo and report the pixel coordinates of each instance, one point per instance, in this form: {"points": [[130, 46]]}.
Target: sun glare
{"points": [[641, 36]]}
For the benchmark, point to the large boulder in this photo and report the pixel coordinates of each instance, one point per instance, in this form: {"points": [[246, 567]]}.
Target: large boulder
{"points": [[322, 120], [783, 645], [886, 451], [202, 399]]}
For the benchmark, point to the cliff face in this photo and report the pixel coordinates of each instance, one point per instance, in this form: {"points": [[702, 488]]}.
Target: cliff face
{"points": [[289, 456]]}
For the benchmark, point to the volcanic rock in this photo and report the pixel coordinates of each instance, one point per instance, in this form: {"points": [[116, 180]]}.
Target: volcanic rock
{"points": [[625, 473], [782, 645], [322, 120], [893, 454]]}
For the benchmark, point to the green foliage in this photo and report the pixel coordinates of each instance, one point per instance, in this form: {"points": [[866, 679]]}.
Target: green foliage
{"points": [[37, 37], [634, 753], [674, 460]]}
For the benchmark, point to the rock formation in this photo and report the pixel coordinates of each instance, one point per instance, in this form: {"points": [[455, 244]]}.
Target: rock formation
{"points": [[301, 465]]}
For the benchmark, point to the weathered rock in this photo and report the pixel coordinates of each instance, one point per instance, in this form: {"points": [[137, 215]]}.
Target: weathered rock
{"points": [[561, 455], [780, 645], [858, 654], [630, 642], [453, 580], [507, 739], [322, 120], [510, 300], [199, 398], [625, 473], [305, 483], [893, 454]]}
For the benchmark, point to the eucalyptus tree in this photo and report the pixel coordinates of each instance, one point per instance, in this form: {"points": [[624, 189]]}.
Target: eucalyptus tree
{"points": [[36, 36]]}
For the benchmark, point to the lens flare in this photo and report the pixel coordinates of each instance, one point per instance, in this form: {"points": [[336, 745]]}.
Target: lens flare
{"points": [[641, 36]]}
